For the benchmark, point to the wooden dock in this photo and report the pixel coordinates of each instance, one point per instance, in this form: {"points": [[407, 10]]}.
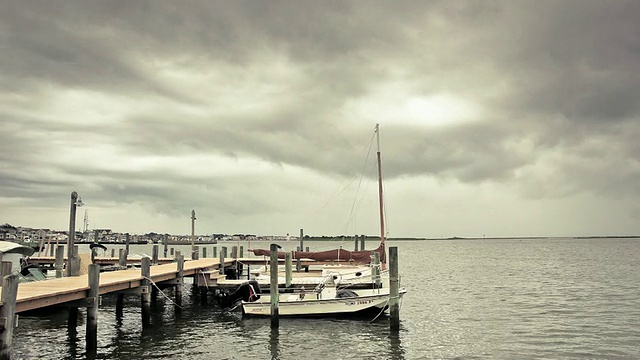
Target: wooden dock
{"points": [[39, 294]]}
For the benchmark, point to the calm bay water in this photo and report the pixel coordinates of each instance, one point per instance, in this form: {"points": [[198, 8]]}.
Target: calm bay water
{"points": [[467, 299]]}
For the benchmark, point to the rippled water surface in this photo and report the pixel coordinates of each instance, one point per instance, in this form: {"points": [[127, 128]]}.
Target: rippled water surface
{"points": [[467, 299]]}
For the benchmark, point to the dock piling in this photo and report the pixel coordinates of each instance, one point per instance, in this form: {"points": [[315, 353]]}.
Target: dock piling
{"points": [[59, 260], [145, 296], [394, 282], [154, 261], [273, 294], [92, 307], [7, 313], [180, 268]]}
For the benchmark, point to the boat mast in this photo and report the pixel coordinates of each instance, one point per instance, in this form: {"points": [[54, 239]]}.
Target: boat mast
{"points": [[380, 198]]}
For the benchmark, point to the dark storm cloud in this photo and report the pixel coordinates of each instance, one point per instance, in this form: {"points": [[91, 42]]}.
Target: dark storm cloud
{"points": [[555, 84]]}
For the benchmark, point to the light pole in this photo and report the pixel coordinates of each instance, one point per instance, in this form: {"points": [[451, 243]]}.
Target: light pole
{"points": [[75, 202]]}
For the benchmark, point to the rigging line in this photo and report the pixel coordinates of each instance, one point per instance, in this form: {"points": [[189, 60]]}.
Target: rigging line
{"points": [[341, 188], [362, 175], [162, 292]]}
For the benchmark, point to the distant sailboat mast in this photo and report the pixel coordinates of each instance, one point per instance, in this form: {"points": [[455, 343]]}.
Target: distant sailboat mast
{"points": [[380, 197]]}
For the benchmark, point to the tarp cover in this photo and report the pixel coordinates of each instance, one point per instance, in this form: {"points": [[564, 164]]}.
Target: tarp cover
{"points": [[363, 256], [11, 247]]}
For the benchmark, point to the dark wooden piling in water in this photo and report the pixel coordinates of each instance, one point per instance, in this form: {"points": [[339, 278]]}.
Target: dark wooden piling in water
{"points": [[394, 283], [362, 242], [215, 252], [92, 307], [355, 245], [154, 260], [204, 252], [179, 281], [145, 296], [127, 240], [274, 295], [241, 251], [8, 313], [196, 253]]}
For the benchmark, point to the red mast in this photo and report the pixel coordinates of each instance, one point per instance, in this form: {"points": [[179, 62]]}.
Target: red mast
{"points": [[380, 198]]}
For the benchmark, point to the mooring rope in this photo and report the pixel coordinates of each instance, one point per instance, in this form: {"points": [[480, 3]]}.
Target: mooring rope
{"points": [[162, 292]]}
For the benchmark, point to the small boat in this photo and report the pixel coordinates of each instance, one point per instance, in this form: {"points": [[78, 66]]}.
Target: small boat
{"points": [[332, 295], [325, 300]]}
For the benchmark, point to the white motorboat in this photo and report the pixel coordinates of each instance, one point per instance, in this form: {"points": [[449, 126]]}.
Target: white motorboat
{"points": [[329, 301]]}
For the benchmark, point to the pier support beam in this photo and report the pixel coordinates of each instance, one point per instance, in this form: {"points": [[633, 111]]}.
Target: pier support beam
{"points": [[273, 294], [8, 313], [394, 282], [180, 268], [145, 297], [92, 307]]}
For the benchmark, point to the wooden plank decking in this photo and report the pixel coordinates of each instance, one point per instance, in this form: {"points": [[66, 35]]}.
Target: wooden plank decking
{"points": [[38, 294]]}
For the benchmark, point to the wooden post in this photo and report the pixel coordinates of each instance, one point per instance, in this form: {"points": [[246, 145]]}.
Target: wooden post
{"points": [[288, 268], [355, 238], [394, 282], [73, 262], [59, 260], [165, 242], [126, 247], [215, 252], [72, 231], [113, 252], [154, 261], [180, 264], [362, 240], [5, 268], [92, 307], [171, 252], [221, 262], [234, 252], [376, 270], [122, 262], [241, 251], [298, 261], [204, 252], [273, 290], [196, 253], [8, 313], [122, 258], [145, 297], [224, 251]]}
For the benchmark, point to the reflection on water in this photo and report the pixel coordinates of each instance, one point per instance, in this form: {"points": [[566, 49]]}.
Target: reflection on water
{"points": [[274, 343], [467, 299]]}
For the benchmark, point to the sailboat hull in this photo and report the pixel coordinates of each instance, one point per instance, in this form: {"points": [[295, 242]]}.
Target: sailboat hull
{"points": [[372, 301]]}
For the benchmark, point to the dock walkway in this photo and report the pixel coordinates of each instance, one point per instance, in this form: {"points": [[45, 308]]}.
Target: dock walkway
{"points": [[39, 294]]}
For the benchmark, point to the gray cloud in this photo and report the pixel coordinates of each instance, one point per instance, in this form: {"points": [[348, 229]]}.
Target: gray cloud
{"points": [[90, 91]]}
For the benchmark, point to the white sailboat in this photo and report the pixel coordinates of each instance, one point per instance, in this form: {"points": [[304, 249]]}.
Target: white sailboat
{"points": [[332, 296]]}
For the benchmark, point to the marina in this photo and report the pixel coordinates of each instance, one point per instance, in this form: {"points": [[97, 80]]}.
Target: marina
{"points": [[145, 277]]}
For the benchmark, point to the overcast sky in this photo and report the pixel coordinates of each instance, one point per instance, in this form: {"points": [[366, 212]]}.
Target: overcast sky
{"points": [[497, 118]]}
